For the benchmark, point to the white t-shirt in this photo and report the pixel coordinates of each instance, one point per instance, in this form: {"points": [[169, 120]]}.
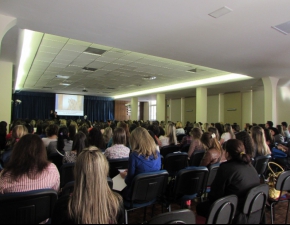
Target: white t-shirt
{"points": [[164, 141], [180, 131], [226, 136]]}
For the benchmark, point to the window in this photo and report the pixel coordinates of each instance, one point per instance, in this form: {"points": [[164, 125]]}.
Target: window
{"points": [[152, 110]]}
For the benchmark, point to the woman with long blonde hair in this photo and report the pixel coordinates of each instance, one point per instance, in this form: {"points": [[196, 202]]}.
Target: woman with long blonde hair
{"points": [[260, 145], [92, 200], [170, 136], [144, 158]]}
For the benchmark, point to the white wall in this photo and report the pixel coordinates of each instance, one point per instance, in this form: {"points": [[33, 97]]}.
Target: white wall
{"points": [[283, 105], [247, 107], [6, 91]]}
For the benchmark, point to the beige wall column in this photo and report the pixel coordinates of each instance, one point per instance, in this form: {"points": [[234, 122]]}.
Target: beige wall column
{"points": [[201, 104], [182, 119], [134, 108], [6, 23], [221, 111], [270, 92], [160, 107], [168, 110], [247, 108]]}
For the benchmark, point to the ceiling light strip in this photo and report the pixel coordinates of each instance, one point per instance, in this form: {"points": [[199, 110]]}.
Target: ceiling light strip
{"points": [[196, 83]]}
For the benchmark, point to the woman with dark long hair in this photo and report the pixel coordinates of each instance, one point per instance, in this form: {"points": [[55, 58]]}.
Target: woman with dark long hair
{"points": [[28, 168], [234, 177], [96, 139]]}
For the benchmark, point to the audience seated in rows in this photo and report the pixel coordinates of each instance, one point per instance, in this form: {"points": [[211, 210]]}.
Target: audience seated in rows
{"points": [[28, 169], [228, 134], [170, 136], [92, 200], [80, 142], [144, 158], [213, 150], [119, 149], [51, 134], [260, 145], [234, 177], [196, 144], [179, 129]]}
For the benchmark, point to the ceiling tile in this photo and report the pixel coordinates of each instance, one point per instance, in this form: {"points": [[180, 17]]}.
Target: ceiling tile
{"points": [[47, 49], [55, 38], [75, 48], [77, 42], [52, 44]]}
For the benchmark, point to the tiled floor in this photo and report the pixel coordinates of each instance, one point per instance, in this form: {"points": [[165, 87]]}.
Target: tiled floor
{"points": [[136, 216]]}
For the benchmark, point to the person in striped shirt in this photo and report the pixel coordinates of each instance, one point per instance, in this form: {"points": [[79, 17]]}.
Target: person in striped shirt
{"points": [[28, 168]]}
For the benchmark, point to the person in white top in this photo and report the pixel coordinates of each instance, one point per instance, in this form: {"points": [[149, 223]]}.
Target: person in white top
{"points": [[51, 133], [285, 129], [179, 129], [119, 149], [170, 136], [229, 134]]}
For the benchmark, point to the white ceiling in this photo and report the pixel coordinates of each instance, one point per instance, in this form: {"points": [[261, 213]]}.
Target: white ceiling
{"points": [[161, 38]]}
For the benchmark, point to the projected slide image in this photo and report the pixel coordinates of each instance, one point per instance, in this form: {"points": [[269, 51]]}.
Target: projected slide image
{"points": [[69, 105]]}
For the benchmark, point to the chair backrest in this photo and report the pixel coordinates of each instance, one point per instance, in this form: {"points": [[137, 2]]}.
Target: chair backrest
{"points": [[261, 163], [116, 164], [174, 162], [212, 171], [283, 181], [196, 158], [56, 159], [190, 181], [66, 174], [255, 203], [168, 150], [223, 210], [31, 207], [185, 148], [184, 216], [147, 187]]}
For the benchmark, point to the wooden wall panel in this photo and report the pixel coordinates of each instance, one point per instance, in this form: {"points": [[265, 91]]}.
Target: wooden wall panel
{"points": [[121, 111]]}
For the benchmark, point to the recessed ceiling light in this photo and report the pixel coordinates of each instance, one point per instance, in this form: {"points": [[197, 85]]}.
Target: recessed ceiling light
{"points": [[110, 88], [64, 84], [149, 78], [283, 28], [221, 12], [62, 77], [94, 51], [89, 69]]}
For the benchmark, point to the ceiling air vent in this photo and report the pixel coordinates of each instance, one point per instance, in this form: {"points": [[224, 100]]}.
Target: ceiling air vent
{"points": [[94, 51], [283, 28], [89, 69], [84, 90]]}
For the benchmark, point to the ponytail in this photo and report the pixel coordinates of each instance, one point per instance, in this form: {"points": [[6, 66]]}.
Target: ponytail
{"points": [[237, 152]]}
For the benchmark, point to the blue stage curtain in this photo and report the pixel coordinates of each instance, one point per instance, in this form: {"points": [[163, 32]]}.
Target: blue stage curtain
{"points": [[33, 106], [99, 108], [36, 105]]}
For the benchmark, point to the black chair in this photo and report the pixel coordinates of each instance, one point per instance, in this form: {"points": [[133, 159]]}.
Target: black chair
{"points": [[254, 207], [146, 190], [174, 162], [283, 184], [31, 207], [56, 159], [196, 158], [189, 184], [66, 174], [185, 148], [184, 216], [212, 171], [223, 210], [116, 164], [180, 137], [168, 150], [261, 165]]}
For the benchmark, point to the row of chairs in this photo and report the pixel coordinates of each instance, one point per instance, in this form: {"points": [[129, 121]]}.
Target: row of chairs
{"points": [[37, 206]]}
